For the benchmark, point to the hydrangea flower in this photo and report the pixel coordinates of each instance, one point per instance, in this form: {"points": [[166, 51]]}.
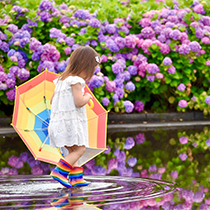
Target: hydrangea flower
{"points": [[184, 49], [153, 168], [139, 106], [120, 92], [167, 61], [128, 106], [148, 33], [112, 165], [152, 68], [130, 41], [46, 5], [132, 70], [195, 46], [23, 74], [130, 86], [183, 156], [181, 87], [182, 103], [117, 68], [183, 140], [105, 101], [208, 142], [111, 86], [171, 70], [95, 23], [150, 78], [207, 100], [129, 143], [132, 161], [11, 94], [140, 138]]}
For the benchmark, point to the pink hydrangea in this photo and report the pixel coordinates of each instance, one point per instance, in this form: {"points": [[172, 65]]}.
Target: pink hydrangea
{"points": [[182, 103]]}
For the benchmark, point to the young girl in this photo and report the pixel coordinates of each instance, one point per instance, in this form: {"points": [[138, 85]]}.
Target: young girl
{"points": [[68, 124]]}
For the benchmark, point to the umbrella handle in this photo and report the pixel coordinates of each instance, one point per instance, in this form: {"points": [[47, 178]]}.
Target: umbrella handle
{"points": [[91, 104]]}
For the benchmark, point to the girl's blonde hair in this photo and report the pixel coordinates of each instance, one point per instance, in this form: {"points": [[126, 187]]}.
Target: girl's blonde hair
{"points": [[84, 58]]}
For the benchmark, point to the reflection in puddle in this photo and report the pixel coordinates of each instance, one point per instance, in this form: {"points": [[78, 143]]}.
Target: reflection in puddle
{"points": [[21, 192]]}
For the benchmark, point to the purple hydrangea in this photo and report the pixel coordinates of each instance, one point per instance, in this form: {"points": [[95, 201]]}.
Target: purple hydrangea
{"points": [[183, 140], [150, 78], [112, 45], [183, 156], [198, 197], [112, 165], [207, 100], [103, 59], [182, 103], [171, 70], [152, 68], [67, 50], [139, 106], [111, 28], [117, 68], [145, 22], [130, 41], [140, 138], [184, 49], [46, 5], [70, 41], [167, 61], [105, 101], [23, 74], [153, 168], [10, 83], [130, 86], [195, 46], [4, 46], [11, 94], [121, 42], [132, 161], [208, 142], [34, 44], [129, 143], [132, 70], [3, 76], [199, 33], [174, 174], [208, 63], [120, 92], [148, 33], [96, 81], [165, 49], [111, 86], [128, 106], [175, 34], [181, 87], [95, 23], [199, 9]]}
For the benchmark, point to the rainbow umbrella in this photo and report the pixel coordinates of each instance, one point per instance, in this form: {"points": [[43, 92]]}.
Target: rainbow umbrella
{"points": [[31, 118]]}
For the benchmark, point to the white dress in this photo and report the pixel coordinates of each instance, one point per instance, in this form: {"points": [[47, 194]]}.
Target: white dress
{"points": [[68, 124]]}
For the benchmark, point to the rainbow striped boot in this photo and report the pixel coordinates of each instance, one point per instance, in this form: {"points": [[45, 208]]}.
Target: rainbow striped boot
{"points": [[61, 173], [76, 177]]}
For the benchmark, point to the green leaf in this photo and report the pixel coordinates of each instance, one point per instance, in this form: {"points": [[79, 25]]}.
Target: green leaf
{"points": [[156, 84], [108, 68], [168, 80], [40, 24], [174, 83], [187, 71]]}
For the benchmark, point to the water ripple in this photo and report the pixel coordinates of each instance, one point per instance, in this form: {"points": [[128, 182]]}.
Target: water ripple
{"points": [[41, 192]]}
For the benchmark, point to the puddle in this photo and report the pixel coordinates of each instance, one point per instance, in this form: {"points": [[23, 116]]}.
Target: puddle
{"points": [[19, 192]]}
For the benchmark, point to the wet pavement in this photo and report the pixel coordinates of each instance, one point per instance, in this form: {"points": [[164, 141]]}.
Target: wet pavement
{"points": [[26, 192]]}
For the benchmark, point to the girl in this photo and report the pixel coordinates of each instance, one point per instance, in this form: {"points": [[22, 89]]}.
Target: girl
{"points": [[68, 125]]}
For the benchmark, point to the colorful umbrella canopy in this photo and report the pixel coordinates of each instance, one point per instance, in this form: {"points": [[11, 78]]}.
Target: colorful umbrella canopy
{"points": [[31, 118]]}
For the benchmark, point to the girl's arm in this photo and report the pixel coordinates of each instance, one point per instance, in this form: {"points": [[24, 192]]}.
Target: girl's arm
{"points": [[80, 99]]}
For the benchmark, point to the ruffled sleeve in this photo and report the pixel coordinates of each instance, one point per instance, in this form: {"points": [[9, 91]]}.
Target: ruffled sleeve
{"points": [[55, 81], [72, 80]]}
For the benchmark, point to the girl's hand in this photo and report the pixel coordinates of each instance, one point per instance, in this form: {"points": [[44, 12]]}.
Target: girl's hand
{"points": [[89, 95]]}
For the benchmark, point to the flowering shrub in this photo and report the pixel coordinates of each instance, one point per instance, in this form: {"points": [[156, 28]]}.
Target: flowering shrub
{"points": [[157, 59]]}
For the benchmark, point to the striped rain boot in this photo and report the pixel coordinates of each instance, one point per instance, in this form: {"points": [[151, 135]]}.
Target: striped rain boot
{"points": [[61, 173], [76, 177]]}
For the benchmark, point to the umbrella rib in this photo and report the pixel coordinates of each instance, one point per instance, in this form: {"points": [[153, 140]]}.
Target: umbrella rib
{"points": [[43, 143], [38, 129], [45, 100], [43, 121]]}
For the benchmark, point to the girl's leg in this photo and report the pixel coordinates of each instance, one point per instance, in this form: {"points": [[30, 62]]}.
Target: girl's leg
{"points": [[75, 152]]}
